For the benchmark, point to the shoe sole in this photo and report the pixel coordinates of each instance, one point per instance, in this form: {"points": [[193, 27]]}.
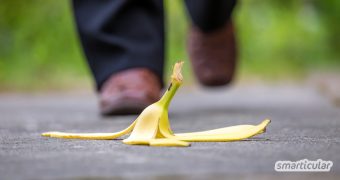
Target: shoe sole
{"points": [[126, 107]]}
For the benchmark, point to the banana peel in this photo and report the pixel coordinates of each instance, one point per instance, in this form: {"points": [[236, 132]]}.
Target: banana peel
{"points": [[152, 127]]}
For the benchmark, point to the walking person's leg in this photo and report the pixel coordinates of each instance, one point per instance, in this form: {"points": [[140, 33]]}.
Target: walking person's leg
{"points": [[123, 41], [211, 41]]}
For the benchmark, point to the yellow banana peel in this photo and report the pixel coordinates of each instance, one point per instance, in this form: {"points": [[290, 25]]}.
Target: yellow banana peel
{"points": [[152, 127]]}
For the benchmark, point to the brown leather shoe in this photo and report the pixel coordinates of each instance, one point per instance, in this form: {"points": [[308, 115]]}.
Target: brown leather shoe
{"points": [[129, 92], [213, 55]]}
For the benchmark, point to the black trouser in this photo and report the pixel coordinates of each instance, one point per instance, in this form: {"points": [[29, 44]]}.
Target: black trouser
{"points": [[123, 34]]}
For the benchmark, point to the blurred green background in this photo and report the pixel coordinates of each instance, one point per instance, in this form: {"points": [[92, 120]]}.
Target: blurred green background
{"points": [[278, 39]]}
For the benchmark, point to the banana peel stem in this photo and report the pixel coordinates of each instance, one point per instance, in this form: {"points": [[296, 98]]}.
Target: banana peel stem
{"points": [[152, 127]]}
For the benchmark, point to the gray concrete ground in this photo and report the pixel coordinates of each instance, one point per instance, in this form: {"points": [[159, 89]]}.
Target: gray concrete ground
{"points": [[304, 126]]}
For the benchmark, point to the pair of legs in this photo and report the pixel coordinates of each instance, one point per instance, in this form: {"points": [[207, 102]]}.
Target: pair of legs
{"points": [[120, 35]]}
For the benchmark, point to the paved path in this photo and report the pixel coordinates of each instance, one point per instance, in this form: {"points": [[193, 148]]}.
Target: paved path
{"points": [[304, 126]]}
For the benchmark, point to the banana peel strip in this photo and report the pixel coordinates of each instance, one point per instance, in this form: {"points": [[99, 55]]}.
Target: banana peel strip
{"points": [[90, 136], [152, 127]]}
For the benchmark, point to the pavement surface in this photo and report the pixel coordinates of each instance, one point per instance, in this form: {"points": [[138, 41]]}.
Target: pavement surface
{"points": [[305, 125]]}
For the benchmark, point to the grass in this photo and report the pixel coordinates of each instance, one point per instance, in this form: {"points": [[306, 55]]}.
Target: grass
{"points": [[39, 47]]}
